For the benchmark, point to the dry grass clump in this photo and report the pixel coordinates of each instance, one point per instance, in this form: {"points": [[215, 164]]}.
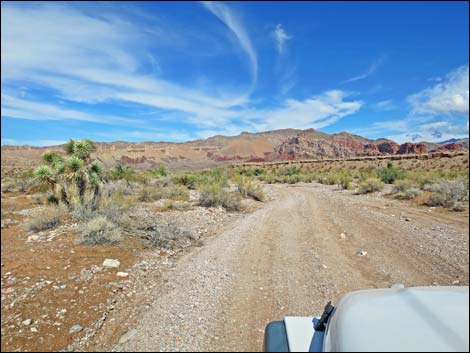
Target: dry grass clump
{"points": [[370, 185], [406, 190], [452, 194], [215, 195], [248, 188], [99, 231], [48, 218]]}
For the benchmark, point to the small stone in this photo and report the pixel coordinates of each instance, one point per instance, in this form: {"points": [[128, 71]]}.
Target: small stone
{"points": [[324, 266], [27, 322], [111, 263], [75, 329], [407, 219], [342, 236], [33, 237], [34, 329], [122, 274], [456, 281], [361, 253], [63, 286], [10, 290]]}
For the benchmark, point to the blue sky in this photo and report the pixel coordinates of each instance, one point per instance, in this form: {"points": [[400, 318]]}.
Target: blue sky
{"points": [[144, 71]]}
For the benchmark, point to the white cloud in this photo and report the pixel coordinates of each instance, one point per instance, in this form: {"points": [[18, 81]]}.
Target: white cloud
{"points": [[385, 105], [281, 37], [90, 59], [317, 112], [226, 15], [450, 96], [370, 71], [18, 108]]}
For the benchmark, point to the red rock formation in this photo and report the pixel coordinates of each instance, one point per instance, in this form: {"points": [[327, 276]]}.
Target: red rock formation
{"points": [[371, 149], [136, 160], [409, 147], [388, 147], [450, 147]]}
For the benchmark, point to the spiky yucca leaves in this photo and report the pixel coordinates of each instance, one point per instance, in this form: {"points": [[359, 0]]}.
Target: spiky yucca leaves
{"points": [[75, 181]]}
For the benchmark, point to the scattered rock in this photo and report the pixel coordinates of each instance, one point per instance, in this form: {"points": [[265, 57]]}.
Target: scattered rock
{"points": [[456, 281], [34, 329], [127, 336], [75, 329], [407, 219], [33, 237], [342, 236], [111, 263], [361, 253], [10, 290], [122, 274], [27, 322]]}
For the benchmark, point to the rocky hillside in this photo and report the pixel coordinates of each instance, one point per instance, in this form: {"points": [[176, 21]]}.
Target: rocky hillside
{"points": [[287, 144]]}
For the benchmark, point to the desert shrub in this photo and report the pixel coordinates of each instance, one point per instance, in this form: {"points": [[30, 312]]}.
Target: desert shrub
{"points": [[250, 172], [176, 205], [330, 179], [174, 192], [214, 195], [160, 182], [370, 185], [99, 231], [390, 174], [48, 218], [159, 171], [406, 189], [189, 180], [345, 179], [52, 199], [450, 193], [123, 172], [290, 171], [38, 199], [247, 188], [166, 235]]}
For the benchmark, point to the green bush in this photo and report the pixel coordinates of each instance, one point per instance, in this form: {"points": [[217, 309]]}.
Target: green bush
{"points": [[370, 185], [247, 188], [390, 174], [160, 171], [189, 180], [345, 179]]}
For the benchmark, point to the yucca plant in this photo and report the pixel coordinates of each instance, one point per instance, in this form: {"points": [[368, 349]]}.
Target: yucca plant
{"points": [[76, 181]]}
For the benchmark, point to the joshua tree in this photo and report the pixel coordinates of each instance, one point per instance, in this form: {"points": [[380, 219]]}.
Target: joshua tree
{"points": [[76, 181]]}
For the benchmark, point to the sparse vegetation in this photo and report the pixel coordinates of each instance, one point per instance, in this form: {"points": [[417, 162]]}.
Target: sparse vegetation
{"points": [[99, 231], [48, 218], [215, 195], [453, 194], [370, 185], [248, 188]]}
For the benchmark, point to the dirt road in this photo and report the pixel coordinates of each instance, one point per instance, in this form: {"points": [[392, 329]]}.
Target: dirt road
{"points": [[289, 258]]}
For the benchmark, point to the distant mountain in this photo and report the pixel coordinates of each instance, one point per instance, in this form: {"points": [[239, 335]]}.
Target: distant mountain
{"points": [[286, 144], [463, 142], [459, 141]]}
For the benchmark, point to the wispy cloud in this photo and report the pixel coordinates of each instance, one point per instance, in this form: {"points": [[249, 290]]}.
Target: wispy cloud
{"points": [[385, 105], [370, 71], [450, 96], [280, 37], [80, 62], [18, 108], [228, 17]]}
